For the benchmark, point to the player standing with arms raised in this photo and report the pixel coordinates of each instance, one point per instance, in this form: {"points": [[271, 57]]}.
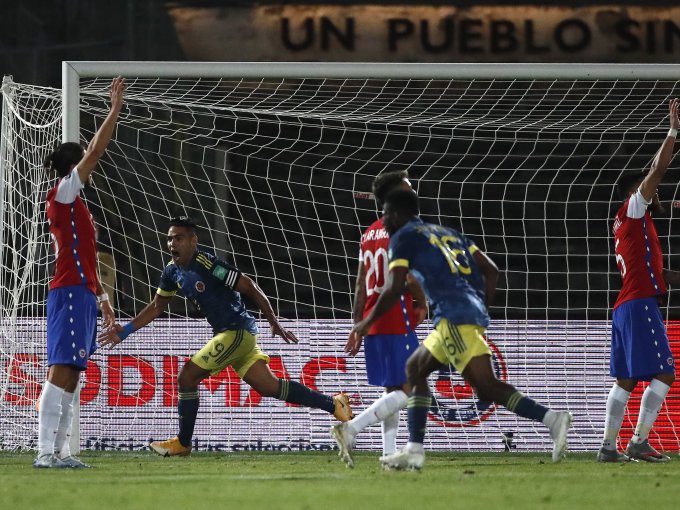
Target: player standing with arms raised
{"points": [[74, 290], [639, 347], [391, 340], [449, 266]]}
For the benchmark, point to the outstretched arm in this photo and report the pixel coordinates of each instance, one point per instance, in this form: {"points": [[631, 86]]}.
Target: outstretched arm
{"points": [[117, 333], [249, 288], [97, 146], [663, 156]]}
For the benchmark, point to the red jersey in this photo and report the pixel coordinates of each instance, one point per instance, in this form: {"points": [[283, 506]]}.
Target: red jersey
{"points": [[374, 246], [638, 251], [72, 231]]}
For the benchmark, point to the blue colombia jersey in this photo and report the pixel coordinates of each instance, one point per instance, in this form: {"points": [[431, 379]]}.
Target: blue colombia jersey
{"points": [[208, 283], [441, 259]]}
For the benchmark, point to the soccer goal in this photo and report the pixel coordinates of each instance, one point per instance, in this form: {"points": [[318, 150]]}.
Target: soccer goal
{"points": [[276, 161]]}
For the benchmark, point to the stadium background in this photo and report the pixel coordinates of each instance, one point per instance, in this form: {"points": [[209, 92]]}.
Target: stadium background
{"points": [[570, 272], [37, 36]]}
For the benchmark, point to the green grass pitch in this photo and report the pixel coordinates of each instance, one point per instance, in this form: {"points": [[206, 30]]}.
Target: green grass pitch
{"points": [[281, 481]]}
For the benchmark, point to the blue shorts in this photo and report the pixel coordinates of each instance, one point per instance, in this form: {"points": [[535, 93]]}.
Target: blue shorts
{"points": [[71, 326], [386, 357], [640, 348]]}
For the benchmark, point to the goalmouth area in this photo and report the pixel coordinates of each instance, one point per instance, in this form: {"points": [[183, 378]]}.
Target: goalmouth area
{"points": [[276, 162]]}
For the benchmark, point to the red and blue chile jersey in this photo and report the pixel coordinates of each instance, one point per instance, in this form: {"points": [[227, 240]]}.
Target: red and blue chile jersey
{"points": [[399, 319], [72, 231], [638, 251], [441, 259], [209, 282]]}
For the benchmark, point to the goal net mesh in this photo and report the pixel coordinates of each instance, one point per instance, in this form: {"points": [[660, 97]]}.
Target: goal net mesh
{"points": [[278, 173]]}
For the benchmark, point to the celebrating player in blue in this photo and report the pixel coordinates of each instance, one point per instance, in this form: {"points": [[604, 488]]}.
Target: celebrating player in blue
{"points": [[450, 268], [74, 290], [215, 287], [639, 348]]}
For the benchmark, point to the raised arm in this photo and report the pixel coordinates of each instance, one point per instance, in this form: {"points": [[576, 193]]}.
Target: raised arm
{"points": [[117, 333], [249, 288], [663, 156], [490, 272], [97, 146]]}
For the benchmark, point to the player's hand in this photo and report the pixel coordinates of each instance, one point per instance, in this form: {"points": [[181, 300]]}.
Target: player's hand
{"points": [[108, 315], [358, 333], [287, 336], [109, 337], [117, 89], [421, 314], [673, 113], [353, 345], [360, 328]]}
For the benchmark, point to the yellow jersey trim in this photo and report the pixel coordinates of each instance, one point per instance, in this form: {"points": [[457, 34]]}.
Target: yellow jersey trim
{"points": [[204, 261], [398, 263], [473, 248], [166, 293]]}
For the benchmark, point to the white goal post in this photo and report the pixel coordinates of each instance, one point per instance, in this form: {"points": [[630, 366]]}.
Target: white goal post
{"points": [[276, 160]]}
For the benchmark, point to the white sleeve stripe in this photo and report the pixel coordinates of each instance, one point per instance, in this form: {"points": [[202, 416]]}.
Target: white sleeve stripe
{"points": [[69, 188], [231, 278], [637, 205]]}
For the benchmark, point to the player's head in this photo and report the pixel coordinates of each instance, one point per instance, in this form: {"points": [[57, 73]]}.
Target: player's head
{"points": [[182, 239], [388, 181], [64, 158], [400, 206], [628, 183]]}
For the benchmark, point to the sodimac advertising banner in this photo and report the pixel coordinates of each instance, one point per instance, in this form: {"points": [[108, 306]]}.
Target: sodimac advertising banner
{"points": [[129, 393]]}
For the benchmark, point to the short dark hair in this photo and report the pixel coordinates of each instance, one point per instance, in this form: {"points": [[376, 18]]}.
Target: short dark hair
{"points": [[64, 157], [403, 201], [183, 221], [627, 182], [385, 182]]}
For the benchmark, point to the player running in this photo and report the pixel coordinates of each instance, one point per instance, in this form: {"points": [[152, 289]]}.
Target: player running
{"points": [[639, 348], [445, 262], [215, 287], [390, 341], [74, 290]]}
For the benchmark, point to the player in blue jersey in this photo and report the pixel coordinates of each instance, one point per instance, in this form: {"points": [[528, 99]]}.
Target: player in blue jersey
{"points": [[215, 287], [447, 265]]}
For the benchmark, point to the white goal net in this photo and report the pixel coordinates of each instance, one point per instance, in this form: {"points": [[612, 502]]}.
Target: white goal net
{"points": [[276, 164]]}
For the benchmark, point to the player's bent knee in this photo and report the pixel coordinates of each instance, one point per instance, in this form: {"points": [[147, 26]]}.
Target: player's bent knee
{"points": [[412, 369], [268, 388], [668, 379], [488, 391], [190, 376]]}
